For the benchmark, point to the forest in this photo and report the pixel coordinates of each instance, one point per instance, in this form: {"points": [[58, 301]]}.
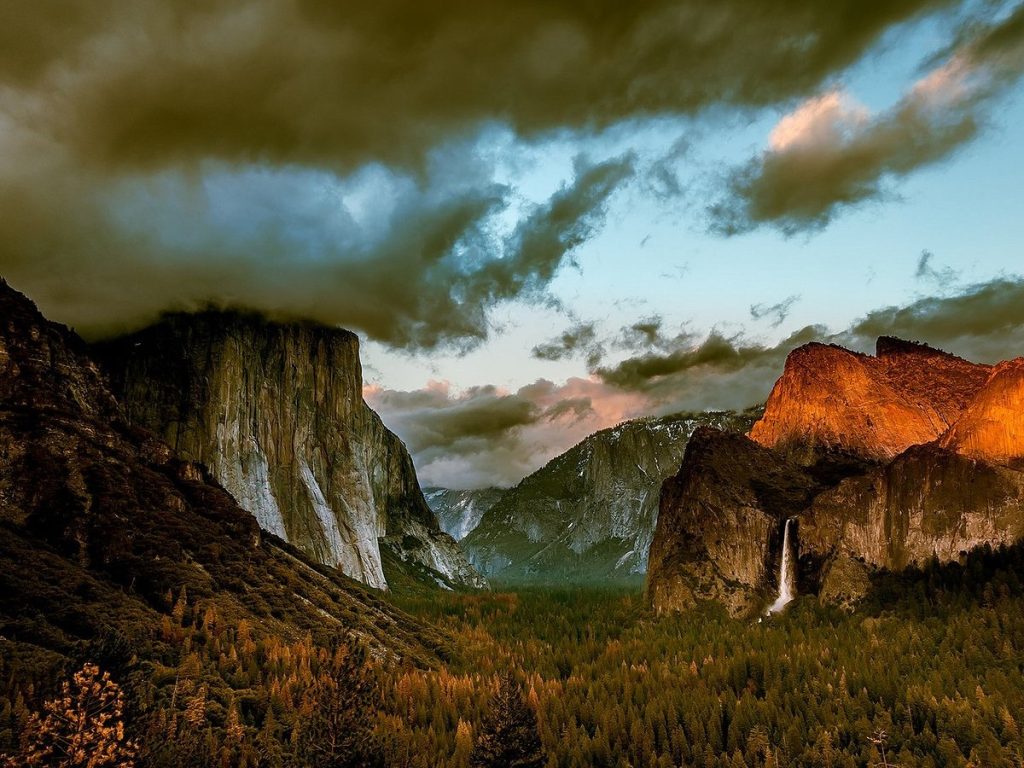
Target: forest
{"points": [[928, 672]]}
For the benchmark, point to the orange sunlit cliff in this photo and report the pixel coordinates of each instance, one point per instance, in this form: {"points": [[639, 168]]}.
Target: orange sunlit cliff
{"points": [[883, 462]]}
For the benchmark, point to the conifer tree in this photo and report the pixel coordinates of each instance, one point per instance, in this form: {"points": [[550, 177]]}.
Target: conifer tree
{"points": [[337, 731], [508, 736]]}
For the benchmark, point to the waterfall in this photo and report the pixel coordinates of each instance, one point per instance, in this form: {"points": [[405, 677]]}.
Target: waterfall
{"points": [[787, 573]]}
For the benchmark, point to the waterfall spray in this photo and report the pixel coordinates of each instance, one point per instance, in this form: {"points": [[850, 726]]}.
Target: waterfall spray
{"points": [[787, 573]]}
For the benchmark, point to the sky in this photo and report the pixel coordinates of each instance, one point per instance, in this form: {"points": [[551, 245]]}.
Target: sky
{"points": [[541, 218]]}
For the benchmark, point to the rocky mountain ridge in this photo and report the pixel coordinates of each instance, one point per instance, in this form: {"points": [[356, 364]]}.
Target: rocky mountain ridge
{"points": [[884, 463], [101, 521], [589, 513], [275, 410], [874, 407]]}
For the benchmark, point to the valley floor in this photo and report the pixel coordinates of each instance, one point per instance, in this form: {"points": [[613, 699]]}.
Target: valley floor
{"points": [[930, 672]]}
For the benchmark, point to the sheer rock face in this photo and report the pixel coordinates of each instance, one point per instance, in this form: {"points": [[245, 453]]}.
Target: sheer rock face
{"points": [[589, 513], [928, 502], [831, 399], [100, 519], [902, 457], [276, 412], [991, 428], [722, 518]]}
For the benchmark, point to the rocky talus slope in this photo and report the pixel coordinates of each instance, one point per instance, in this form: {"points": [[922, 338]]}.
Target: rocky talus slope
{"points": [[276, 411], [100, 521], [589, 514], [884, 462]]}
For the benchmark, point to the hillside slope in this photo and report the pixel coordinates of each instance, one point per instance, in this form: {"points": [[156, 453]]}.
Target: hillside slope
{"points": [[103, 527], [590, 512]]}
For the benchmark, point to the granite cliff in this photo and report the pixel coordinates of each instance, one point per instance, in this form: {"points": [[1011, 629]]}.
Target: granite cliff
{"points": [[100, 521], [276, 411], [883, 462], [590, 512]]}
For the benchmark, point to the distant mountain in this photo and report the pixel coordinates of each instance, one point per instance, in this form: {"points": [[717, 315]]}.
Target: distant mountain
{"points": [[589, 514], [881, 463], [276, 411], [102, 527], [459, 511]]}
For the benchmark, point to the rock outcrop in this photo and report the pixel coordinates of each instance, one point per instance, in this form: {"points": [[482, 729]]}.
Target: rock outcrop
{"points": [[589, 513], [830, 399], [459, 511], [721, 522], [100, 521], [991, 427], [885, 462], [276, 411]]}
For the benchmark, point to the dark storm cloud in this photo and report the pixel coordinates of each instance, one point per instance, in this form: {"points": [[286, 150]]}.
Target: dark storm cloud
{"points": [[659, 371], [327, 83], [163, 155], [483, 435], [645, 333], [423, 274], [776, 313], [831, 153], [440, 421], [984, 323]]}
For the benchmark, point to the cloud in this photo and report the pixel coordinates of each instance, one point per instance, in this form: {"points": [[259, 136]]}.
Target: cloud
{"points": [[831, 153], [716, 372], [941, 276], [776, 313], [412, 262], [319, 83], [485, 436], [304, 157], [984, 322], [580, 339]]}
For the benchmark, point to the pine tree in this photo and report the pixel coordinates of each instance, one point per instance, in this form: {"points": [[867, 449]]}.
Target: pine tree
{"points": [[508, 737], [338, 729]]}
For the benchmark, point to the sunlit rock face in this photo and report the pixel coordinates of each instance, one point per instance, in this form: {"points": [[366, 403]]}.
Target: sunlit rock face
{"points": [[991, 428], [275, 410], [589, 514], [885, 461], [832, 399]]}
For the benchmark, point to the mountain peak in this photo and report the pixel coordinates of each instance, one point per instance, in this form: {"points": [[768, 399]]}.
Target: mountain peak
{"points": [[830, 398], [276, 410]]}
